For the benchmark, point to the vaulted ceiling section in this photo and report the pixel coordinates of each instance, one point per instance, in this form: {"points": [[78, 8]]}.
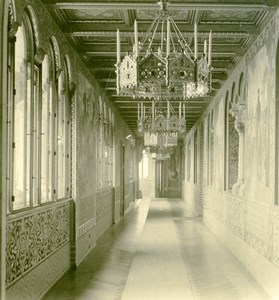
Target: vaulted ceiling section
{"points": [[90, 27]]}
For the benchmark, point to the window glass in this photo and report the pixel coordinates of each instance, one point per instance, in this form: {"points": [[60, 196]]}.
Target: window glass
{"points": [[21, 122]]}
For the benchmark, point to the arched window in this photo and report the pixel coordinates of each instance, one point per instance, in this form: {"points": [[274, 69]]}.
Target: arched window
{"points": [[113, 148], [10, 93], [233, 143], [212, 147], [37, 132], [46, 132], [188, 161], [277, 129], [144, 165], [110, 148], [196, 156], [68, 93], [241, 87], [26, 80], [61, 136], [100, 143], [226, 140], [59, 123]]}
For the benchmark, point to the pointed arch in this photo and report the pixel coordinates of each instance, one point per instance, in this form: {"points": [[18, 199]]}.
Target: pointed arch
{"points": [[34, 24], [56, 55]]}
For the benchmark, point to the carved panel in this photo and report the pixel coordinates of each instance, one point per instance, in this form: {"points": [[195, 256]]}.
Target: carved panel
{"points": [[33, 238], [268, 34], [226, 16], [258, 244], [104, 202], [96, 14], [235, 212]]}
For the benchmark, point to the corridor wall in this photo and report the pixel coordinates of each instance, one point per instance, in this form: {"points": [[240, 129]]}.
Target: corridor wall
{"points": [[43, 238], [238, 160]]}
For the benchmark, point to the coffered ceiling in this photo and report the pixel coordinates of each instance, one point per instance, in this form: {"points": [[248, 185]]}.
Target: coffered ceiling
{"points": [[90, 27]]}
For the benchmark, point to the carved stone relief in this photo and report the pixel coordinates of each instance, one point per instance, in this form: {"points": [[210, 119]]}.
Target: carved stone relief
{"points": [[33, 238]]}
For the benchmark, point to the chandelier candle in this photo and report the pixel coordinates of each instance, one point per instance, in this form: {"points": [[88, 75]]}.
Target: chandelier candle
{"points": [[168, 38], [118, 46], [136, 39], [205, 50], [196, 40], [209, 48]]}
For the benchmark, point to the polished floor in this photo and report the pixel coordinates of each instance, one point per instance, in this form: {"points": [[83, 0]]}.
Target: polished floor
{"points": [[160, 251]]}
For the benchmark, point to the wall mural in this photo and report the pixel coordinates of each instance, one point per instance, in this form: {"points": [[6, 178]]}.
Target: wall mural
{"points": [[87, 137], [33, 238], [86, 149], [260, 106]]}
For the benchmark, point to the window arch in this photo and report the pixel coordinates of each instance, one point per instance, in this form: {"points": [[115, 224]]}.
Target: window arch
{"points": [[25, 81], [100, 142], [23, 113], [226, 140], [68, 93], [46, 132], [241, 87], [105, 145], [37, 121], [233, 143], [59, 122]]}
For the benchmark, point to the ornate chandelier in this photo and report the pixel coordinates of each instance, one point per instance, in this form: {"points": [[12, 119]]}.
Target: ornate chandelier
{"points": [[162, 65], [160, 124]]}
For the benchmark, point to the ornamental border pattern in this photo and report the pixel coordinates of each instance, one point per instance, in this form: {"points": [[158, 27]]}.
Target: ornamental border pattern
{"points": [[267, 33], [234, 219], [258, 245], [235, 215], [86, 227], [33, 238]]}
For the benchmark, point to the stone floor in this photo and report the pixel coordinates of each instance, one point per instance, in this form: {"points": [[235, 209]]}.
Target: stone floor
{"points": [[159, 251]]}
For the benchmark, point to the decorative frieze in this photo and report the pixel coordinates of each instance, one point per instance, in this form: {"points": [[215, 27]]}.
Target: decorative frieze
{"points": [[267, 34], [86, 227], [258, 245], [235, 213], [33, 238]]}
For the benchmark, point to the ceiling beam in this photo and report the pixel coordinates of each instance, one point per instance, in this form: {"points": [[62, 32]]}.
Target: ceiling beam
{"points": [[97, 29], [147, 5]]}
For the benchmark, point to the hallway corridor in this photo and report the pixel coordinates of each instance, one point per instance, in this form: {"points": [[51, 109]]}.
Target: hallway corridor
{"points": [[159, 251]]}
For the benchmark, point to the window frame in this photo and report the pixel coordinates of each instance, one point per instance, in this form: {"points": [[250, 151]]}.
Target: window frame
{"points": [[33, 138]]}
